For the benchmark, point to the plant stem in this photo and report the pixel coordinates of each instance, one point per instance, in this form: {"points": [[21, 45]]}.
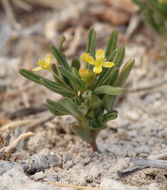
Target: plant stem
{"points": [[94, 146], [93, 80]]}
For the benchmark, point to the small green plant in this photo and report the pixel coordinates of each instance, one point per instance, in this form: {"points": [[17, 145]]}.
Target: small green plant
{"points": [[89, 92], [155, 14]]}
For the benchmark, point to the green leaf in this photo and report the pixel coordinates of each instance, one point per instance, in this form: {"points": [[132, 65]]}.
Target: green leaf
{"points": [[84, 134], [110, 90], [71, 107], [124, 73], [55, 69], [74, 80], [56, 73], [91, 41], [113, 55], [113, 76], [83, 108], [120, 57], [110, 77], [76, 64], [57, 87], [30, 75], [62, 40], [110, 115], [91, 46], [108, 102], [61, 59], [112, 43], [57, 113], [96, 104], [56, 107], [75, 73]]}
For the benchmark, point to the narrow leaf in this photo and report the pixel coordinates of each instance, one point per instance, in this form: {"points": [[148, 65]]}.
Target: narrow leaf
{"points": [[110, 90], [74, 80], [57, 107], [84, 134], [91, 40], [120, 57], [124, 73], [71, 107], [60, 57], [76, 64], [109, 101], [30, 75], [57, 113], [83, 108], [112, 43], [110, 77], [56, 87], [110, 115]]}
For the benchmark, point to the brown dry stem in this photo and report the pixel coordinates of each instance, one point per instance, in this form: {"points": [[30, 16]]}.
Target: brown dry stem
{"points": [[6, 151], [72, 186]]}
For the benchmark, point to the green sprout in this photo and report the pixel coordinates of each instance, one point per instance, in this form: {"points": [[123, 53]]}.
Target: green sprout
{"points": [[89, 93], [155, 14]]}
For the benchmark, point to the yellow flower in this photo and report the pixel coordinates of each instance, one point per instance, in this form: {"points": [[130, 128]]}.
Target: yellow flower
{"points": [[85, 74], [44, 63], [84, 57], [99, 62]]}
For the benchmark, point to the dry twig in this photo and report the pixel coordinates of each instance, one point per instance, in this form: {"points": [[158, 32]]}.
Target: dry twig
{"points": [[72, 186], [152, 163], [6, 151], [13, 124], [162, 156], [35, 163], [140, 164], [128, 171]]}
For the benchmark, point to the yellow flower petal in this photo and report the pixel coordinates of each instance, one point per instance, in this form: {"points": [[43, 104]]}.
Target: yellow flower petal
{"points": [[43, 64], [97, 69], [91, 60], [48, 58], [100, 55], [37, 69], [84, 57], [108, 64]]}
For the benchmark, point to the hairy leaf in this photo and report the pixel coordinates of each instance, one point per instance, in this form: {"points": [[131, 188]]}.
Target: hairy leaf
{"points": [[112, 43], [110, 90], [125, 73], [30, 75], [71, 107], [60, 57], [57, 87]]}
